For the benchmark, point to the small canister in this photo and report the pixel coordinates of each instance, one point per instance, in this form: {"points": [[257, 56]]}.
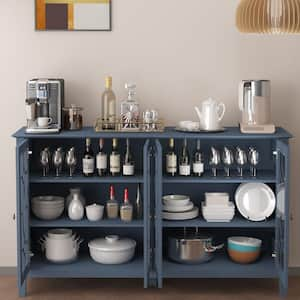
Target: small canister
{"points": [[73, 117]]}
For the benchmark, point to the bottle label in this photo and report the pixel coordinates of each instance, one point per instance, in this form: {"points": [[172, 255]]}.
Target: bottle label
{"points": [[198, 168], [102, 162], [128, 170], [171, 163], [115, 163], [185, 170], [88, 165]]}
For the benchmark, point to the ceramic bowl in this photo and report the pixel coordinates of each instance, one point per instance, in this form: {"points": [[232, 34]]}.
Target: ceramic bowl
{"points": [[94, 212], [189, 125], [50, 213], [176, 200], [244, 250]]}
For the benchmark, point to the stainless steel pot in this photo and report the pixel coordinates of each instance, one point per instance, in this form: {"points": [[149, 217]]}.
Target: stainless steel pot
{"points": [[191, 248]]}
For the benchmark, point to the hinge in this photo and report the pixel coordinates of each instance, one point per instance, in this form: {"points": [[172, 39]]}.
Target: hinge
{"points": [[275, 153]]}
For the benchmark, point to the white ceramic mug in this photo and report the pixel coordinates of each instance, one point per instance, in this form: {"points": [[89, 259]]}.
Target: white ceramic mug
{"points": [[44, 121]]}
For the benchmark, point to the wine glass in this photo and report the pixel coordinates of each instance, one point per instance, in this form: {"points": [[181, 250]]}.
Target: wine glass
{"points": [[45, 160], [58, 158], [71, 160], [241, 160], [228, 160], [253, 160], [215, 160]]}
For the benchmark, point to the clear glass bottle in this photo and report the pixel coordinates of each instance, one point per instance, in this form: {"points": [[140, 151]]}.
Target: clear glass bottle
{"points": [[126, 209], [108, 106], [138, 204], [198, 160], [130, 111], [128, 165], [184, 160], [112, 205], [171, 159], [101, 159], [115, 159], [88, 160]]}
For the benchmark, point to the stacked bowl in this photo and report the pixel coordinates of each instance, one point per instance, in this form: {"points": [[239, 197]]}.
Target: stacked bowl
{"points": [[217, 208], [47, 207], [179, 207]]}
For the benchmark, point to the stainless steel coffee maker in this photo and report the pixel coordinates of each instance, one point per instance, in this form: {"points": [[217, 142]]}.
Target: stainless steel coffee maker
{"points": [[255, 105], [44, 103]]}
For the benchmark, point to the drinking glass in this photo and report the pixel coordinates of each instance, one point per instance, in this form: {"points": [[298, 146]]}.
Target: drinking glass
{"points": [[58, 158], [71, 161], [45, 160]]}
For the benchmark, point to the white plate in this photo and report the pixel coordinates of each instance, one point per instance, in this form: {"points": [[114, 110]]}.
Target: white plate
{"points": [[176, 200], [255, 201], [218, 220], [177, 208], [182, 215]]}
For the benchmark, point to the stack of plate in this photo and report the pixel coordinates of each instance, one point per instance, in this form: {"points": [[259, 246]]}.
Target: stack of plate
{"points": [[218, 208], [47, 207], [179, 207]]}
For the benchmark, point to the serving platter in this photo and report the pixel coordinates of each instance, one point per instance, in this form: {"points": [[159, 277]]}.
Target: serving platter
{"points": [[219, 130]]}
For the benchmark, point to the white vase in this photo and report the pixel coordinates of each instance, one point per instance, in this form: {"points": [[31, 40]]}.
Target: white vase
{"points": [[70, 197], [76, 209]]}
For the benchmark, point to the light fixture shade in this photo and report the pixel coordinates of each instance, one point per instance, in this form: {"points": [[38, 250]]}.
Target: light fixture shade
{"points": [[268, 16]]}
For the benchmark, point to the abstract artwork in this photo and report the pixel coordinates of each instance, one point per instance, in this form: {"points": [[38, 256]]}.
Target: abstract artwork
{"points": [[73, 15]]}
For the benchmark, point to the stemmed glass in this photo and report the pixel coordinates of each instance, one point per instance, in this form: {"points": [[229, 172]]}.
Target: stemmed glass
{"points": [[241, 160], [228, 160], [215, 160], [45, 157], [253, 160], [71, 160], [58, 158]]}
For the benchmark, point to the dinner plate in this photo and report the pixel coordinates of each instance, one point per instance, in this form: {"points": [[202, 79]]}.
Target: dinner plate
{"points": [[177, 208], [255, 201], [221, 129], [178, 216]]}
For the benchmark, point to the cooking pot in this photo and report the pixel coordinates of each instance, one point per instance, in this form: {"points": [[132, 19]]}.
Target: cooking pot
{"points": [[191, 248], [112, 250], [61, 250]]}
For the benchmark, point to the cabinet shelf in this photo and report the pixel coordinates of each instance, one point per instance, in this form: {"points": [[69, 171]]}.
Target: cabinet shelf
{"points": [[263, 176], [237, 222], [85, 267], [222, 267], [66, 222], [82, 179]]}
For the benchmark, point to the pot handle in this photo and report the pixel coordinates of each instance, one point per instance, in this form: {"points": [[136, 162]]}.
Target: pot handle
{"points": [[42, 244], [211, 248]]}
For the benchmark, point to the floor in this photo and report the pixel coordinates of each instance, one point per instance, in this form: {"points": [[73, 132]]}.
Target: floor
{"points": [[91, 289]]}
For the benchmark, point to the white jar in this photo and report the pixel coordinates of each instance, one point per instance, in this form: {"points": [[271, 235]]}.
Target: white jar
{"points": [[76, 209], [74, 191]]}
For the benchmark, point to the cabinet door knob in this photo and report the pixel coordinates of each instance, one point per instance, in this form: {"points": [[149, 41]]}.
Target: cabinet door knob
{"points": [[14, 216]]}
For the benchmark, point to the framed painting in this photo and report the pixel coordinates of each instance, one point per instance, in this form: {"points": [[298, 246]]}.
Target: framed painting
{"points": [[73, 15]]}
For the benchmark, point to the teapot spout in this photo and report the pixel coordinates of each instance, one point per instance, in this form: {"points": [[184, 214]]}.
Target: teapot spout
{"points": [[199, 114]]}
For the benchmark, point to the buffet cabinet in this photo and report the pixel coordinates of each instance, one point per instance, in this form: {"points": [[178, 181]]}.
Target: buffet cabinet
{"points": [[151, 263]]}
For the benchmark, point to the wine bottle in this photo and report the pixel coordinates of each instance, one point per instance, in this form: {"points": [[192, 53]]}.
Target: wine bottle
{"points": [[88, 160], [198, 161], [126, 209], [101, 160], [138, 209], [184, 161], [171, 159], [108, 106], [128, 166], [114, 159]]}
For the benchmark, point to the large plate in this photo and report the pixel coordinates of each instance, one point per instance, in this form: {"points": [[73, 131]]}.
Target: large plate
{"points": [[255, 201], [222, 129], [178, 216]]}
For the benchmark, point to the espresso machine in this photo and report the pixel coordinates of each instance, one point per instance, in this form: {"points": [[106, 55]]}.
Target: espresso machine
{"points": [[44, 103], [255, 105]]}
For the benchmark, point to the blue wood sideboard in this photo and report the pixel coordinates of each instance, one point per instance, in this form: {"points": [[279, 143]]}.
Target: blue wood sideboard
{"points": [[150, 262]]}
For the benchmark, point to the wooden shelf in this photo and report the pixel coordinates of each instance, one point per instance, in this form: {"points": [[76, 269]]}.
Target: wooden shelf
{"points": [[82, 179], [85, 267], [237, 222], [222, 267], [66, 222], [263, 176]]}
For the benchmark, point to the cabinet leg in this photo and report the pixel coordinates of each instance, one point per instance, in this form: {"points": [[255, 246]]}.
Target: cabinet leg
{"points": [[23, 289], [283, 289]]}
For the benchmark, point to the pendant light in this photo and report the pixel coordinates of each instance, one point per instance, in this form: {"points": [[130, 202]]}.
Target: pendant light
{"points": [[268, 16]]}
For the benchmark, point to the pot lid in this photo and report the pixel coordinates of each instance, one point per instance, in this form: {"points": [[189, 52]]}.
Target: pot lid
{"points": [[112, 243]]}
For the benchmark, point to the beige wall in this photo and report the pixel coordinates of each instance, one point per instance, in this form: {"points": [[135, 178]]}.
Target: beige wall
{"points": [[178, 53]]}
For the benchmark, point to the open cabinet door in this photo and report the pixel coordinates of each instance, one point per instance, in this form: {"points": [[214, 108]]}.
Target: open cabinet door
{"points": [[23, 211], [282, 214]]}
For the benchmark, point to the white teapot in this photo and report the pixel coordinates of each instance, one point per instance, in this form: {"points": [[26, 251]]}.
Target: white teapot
{"points": [[211, 114]]}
